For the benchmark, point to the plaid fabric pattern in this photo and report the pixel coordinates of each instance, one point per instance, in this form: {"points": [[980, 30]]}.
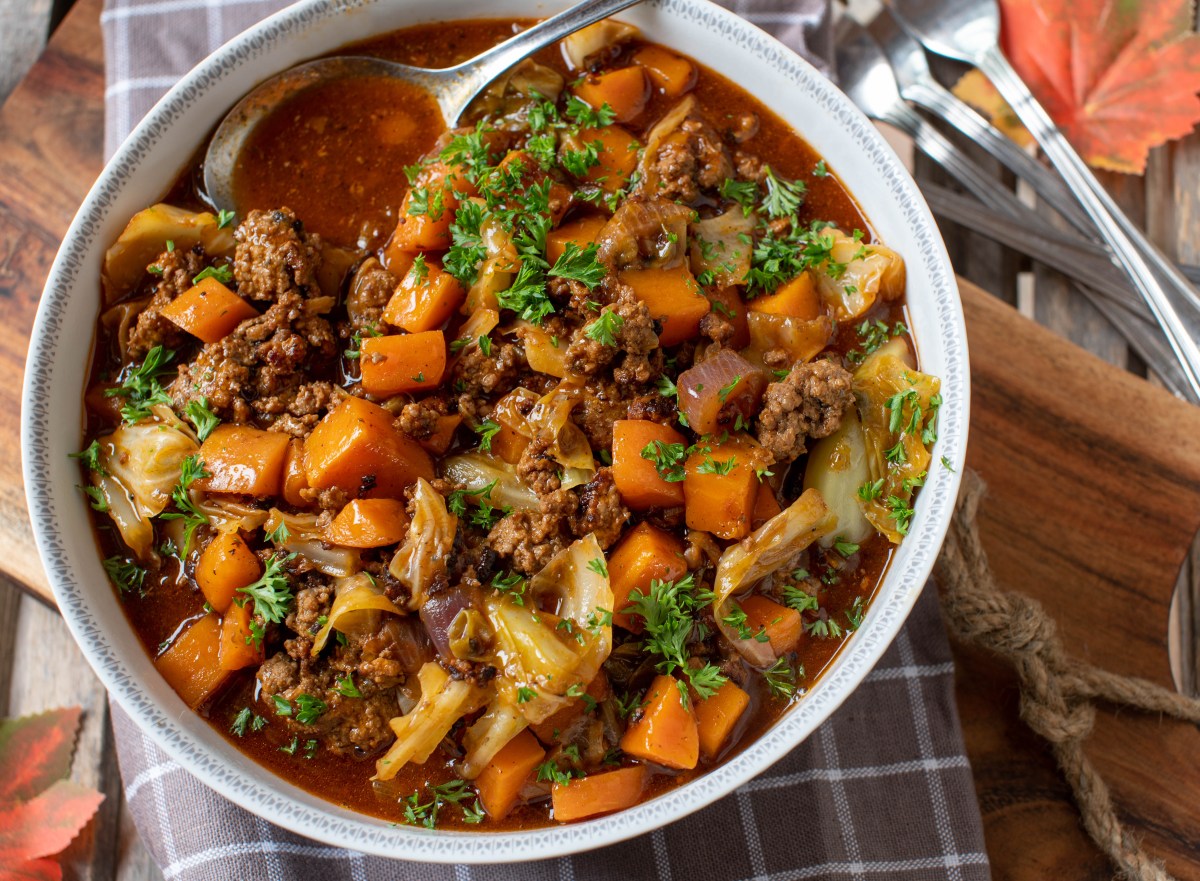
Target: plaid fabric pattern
{"points": [[882, 790]]}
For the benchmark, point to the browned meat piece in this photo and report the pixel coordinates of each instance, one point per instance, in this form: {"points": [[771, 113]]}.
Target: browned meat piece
{"points": [[633, 332], [654, 407], [331, 499], [573, 297], [527, 539], [263, 360], [297, 411], [538, 469], [345, 726], [369, 292], [312, 603], [749, 167], [691, 160], [275, 256], [477, 377], [601, 510], [178, 269], [743, 127], [808, 402], [474, 672], [601, 402], [419, 419], [717, 328]]}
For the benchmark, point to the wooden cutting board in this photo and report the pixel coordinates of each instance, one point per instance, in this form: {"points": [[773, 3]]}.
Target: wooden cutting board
{"points": [[1095, 497]]}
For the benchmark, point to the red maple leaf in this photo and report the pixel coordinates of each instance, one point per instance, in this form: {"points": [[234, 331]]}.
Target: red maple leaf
{"points": [[35, 751], [1119, 77], [40, 813]]}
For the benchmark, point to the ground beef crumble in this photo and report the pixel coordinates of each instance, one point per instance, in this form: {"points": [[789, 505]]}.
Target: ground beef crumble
{"points": [[808, 402]]}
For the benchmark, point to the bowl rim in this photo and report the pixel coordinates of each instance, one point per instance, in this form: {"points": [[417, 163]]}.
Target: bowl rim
{"points": [[271, 798]]}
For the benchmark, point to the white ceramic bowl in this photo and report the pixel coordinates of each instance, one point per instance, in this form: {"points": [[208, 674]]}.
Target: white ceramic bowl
{"points": [[141, 172]]}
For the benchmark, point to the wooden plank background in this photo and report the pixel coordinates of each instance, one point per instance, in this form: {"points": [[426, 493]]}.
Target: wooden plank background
{"points": [[49, 154]]}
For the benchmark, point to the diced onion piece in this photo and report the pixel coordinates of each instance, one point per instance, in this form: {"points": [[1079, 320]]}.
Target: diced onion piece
{"points": [[648, 234], [356, 608], [550, 418], [837, 467], [855, 275], [136, 531], [226, 515], [716, 391], [473, 472], [426, 549], [720, 245], [762, 552], [586, 42], [306, 539], [482, 322], [443, 702]]}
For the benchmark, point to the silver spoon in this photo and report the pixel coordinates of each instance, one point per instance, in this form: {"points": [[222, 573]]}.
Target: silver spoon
{"points": [[969, 30], [453, 88]]}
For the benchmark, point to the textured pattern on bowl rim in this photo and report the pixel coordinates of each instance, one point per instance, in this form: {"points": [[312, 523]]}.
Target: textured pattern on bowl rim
{"points": [[202, 751]]}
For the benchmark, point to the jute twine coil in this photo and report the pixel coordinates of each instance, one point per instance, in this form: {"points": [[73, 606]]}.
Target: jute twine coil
{"points": [[1057, 691]]}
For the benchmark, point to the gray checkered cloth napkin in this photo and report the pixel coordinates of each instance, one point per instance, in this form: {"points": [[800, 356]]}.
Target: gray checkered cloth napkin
{"points": [[882, 790]]}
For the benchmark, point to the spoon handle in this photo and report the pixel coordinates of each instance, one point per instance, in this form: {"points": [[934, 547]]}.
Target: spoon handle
{"points": [[473, 76], [1174, 308]]}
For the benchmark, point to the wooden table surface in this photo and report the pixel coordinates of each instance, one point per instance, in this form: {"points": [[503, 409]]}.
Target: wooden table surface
{"points": [[1095, 477]]}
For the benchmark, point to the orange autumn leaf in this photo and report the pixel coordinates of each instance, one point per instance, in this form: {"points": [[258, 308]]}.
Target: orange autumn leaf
{"points": [[40, 813], [1118, 76]]}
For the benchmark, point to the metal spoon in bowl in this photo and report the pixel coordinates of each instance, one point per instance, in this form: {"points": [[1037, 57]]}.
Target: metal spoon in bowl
{"points": [[453, 88], [969, 30]]}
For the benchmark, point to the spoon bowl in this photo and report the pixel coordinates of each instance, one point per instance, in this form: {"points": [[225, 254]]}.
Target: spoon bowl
{"points": [[453, 88]]}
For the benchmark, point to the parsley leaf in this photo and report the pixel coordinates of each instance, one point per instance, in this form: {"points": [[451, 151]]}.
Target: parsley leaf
{"points": [[783, 198], [486, 431], [125, 574], [198, 413], [271, 593], [668, 459], [604, 329], [527, 296], [222, 273], [90, 456], [190, 470], [141, 388], [580, 264]]}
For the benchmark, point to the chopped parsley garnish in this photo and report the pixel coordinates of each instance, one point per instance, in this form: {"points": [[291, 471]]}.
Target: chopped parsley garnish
{"points": [[781, 678], [580, 264], [871, 490], [726, 390], [582, 114], [825, 628], [486, 431], [596, 564], [511, 584], [800, 600], [141, 388], [527, 296], [745, 193], [96, 498], [713, 466], [901, 512], [309, 709], [604, 329], [224, 219], [525, 695], [125, 574], [456, 792], [783, 198], [670, 610], [355, 350], [579, 162], [551, 771], [668, 459], [190, 471], [946, 464], [246, 719], [456, 501], [279, 535], [283, 707], [204, 419], [666, 387], [271, 593], [854, 614], [222, 273], [843, 547], [90, 456], [820, 169]]}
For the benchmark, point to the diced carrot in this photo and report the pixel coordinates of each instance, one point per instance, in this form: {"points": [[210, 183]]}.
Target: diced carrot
{"points": [[600, 793], [674, 299], [243, 459], [396, 260], [191, 665], [625, 90], [424, 299], [732, 308], [500, 783], [645, 554], [549, 729], [509, 445], [357, 448], [208, 310], [797, 298], [783, 625], [719, 496], [403, 362], [766, 505], [443, 435], [637, 478], [582, 232], [669, 73], [238, 647], [531, 173], [369, 523], [428, 230], [225, 564], [618, 155], [717, 715], [294, 478], [666, 732]]}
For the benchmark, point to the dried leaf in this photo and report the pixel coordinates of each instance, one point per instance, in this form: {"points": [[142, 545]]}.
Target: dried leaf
{"points": [[35, 751], [32, 870], [978, 91], [1118, 77], [47, 823]]}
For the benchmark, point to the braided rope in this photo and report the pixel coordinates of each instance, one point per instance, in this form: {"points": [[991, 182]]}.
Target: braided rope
{"points": [[1057, 691]]}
